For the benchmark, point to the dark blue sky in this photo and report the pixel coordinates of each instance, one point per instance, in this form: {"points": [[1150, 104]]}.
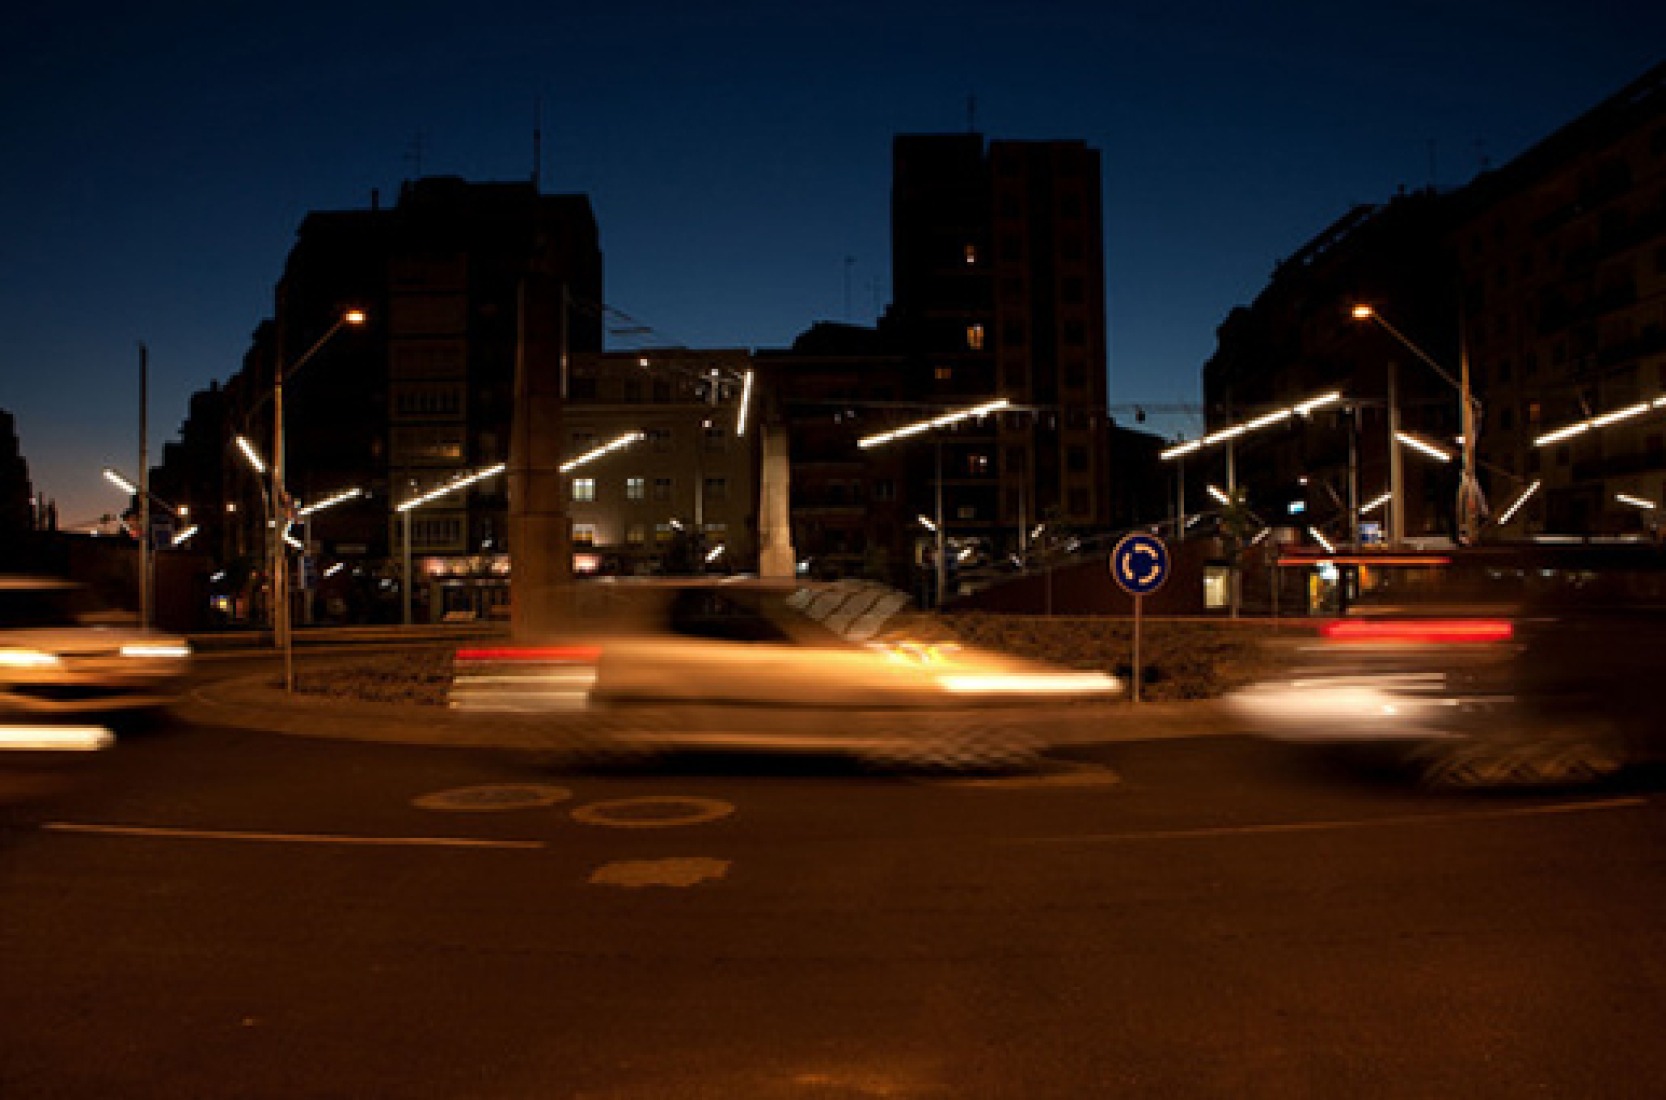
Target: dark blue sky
{"points": [[156, 159]]}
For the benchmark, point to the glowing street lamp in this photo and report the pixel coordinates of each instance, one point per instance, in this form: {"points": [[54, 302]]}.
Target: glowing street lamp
{"points": [[943, 420], [405, 510], [1470, 505], [147, 567], [279, 502]]}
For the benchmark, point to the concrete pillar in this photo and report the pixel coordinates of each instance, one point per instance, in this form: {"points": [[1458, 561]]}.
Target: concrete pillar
{"points": [[540, 536], [775, 552]]}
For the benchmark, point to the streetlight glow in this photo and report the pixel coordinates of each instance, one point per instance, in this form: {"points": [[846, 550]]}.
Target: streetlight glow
{"points": [[942, 421], [745, 404], [1423, 445], [452, 486], [120, 482], [1375, 504], [1516, 507], [251, 454], [330, 501], [606, 448], [1471, 504], [1265, 420], [1636, 502]]}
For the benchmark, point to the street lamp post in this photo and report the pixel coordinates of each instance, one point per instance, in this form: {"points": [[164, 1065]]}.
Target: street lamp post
{"points": [[1470, 505], [942, 421], [147, 560], [461, 482], [279, 503]]}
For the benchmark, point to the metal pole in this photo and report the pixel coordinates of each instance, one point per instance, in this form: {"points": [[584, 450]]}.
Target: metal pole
{"points": [[280, 518], [1237, 553], [405, 550], [942, 548], [145, 579], [1139, 609], [1353, 478], [1469, 490], [1397, 497]]}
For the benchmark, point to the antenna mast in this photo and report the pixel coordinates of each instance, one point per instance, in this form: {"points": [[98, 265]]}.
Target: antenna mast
{"points": [[537, 144]]}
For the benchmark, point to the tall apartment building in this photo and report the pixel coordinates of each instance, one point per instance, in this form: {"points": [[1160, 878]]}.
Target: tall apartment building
{"points": [[1563, 252], [1547, 276], [424, 392], [683, 497], [998, 278]]}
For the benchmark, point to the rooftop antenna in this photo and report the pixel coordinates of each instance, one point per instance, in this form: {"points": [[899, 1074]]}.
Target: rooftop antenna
{"points": [[413, 155], [537, 144]]}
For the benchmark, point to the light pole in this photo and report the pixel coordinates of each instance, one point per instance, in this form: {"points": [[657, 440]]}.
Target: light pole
{"points": [[305, 514], [944, 420], [280, 494], [147, 560], [1470, 503], [461, 482]]}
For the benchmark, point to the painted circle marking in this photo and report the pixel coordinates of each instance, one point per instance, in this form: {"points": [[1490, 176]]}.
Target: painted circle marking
{"points": [[653, 812], [497, 796]]}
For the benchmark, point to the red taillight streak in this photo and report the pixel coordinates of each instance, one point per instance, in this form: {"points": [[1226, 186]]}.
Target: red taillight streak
{"points": [[545, 654], [1431, 631]]}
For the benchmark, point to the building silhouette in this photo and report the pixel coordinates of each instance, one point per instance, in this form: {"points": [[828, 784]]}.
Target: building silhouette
{"points": [[422, 394], [1545, 277]]}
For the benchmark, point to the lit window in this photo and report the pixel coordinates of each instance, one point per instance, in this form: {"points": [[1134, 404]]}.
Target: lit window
{"points": [[584, 534], [944, 373], [971, 254], [584, 488], [636, 534], [662, 533], [636, 488], [974, 337]]}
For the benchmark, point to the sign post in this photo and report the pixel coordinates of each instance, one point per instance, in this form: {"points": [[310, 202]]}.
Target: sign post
{"points": [[1139, 565]]}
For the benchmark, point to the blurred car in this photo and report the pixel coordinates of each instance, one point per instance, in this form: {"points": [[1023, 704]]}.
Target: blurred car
{"points": [[837, 666], [62, 657], [1483, 666]]}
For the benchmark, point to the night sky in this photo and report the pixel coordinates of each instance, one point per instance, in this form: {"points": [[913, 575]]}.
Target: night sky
{"points": [[157, 158]]}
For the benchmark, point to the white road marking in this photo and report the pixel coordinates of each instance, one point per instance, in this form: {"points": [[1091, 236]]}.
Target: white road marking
{"points": [[1277, 828], [681, 872], [1067, 775], [651, 812], [289, 838], [497, 796]]}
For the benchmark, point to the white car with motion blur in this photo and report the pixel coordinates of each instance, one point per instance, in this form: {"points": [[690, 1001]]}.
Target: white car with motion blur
{"points": [[66, 664], [836, 667]]}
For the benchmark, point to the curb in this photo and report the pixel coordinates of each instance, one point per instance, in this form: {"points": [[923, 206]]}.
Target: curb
{"points": [[254, 703]]}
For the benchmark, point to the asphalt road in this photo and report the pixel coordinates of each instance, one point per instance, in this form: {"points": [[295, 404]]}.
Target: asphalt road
{"points": [[207, 912]]}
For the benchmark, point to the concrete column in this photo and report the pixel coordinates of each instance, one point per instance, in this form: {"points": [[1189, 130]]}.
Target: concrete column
{"points": [[775, 552], [540, 535]]}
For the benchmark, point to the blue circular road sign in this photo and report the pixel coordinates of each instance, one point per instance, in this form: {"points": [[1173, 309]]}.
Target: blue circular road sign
{"points": [[1140, 564]]}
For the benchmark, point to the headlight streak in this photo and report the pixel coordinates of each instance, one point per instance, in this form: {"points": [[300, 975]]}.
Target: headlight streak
{"points": [[55, 738], [170, 650], [27, 658], [1058, 683]]}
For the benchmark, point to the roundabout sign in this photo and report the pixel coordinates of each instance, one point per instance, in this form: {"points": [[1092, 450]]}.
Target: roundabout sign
{"points": [[1139, 565]]}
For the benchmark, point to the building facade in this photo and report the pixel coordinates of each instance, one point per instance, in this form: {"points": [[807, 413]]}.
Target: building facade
{"points": [[682, 498], [1543, 281], [419, 396], [998, 277]]}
